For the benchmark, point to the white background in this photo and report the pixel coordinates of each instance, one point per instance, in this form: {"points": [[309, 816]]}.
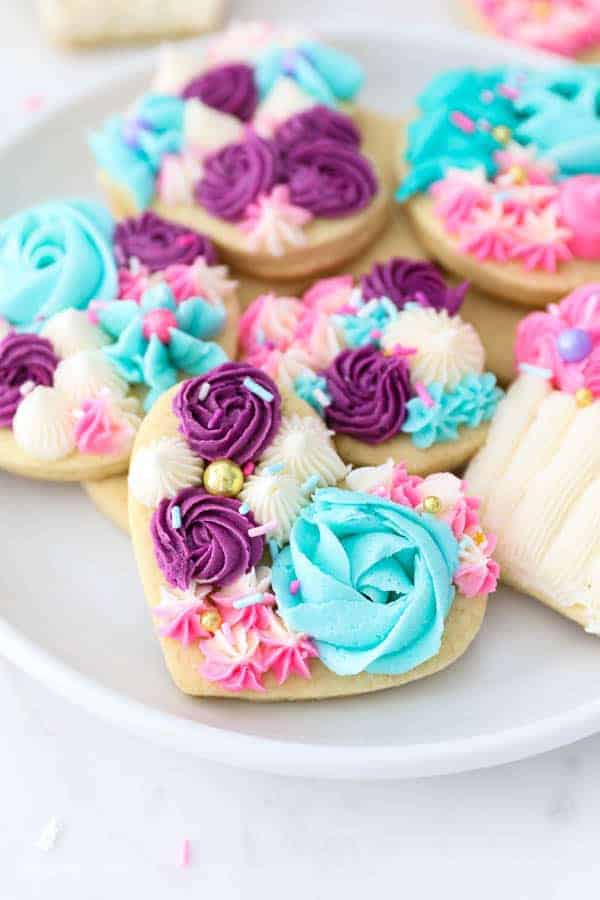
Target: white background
{"points": [[529, 830]]}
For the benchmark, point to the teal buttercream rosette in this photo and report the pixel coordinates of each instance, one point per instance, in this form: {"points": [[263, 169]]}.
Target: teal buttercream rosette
{"points": [[53, 257], [157, 339], [375, 582]]}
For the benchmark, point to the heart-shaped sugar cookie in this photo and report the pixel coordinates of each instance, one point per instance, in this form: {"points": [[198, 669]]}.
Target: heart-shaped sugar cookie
{"points": [[269, 575]]}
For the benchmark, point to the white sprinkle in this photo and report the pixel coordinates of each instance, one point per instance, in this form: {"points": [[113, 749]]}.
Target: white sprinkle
{"points": [[203, 392], [49, 835], [321, 397], [26, 387], [134, 265]]}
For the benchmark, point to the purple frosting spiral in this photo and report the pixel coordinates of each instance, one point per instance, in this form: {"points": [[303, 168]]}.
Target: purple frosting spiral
{"points": [[157, 243], [235, 175], [369, 393], [329, 178], [211, 544], [412, 281], [312, 124], [23, 357], [233, 421], [230, 88]]}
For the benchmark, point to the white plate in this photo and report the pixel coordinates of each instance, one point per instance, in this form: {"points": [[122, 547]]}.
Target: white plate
{"points": [[73, 614]]}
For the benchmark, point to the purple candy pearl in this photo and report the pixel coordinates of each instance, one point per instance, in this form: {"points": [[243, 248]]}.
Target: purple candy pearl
{"points": [[574, 344]]}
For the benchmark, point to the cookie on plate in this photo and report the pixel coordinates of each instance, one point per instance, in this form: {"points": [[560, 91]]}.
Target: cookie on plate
{"points": [[75, 382], [499, 174], [269, 576], [568, 27], [79, 23], [245, 144], [539, 473], [387, 363]]}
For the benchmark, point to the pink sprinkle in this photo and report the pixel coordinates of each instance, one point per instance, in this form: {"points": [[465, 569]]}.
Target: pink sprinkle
{"points": [[424, 394], [248, 468], [511, 93], [262, 529], [184, 854], [403, 351], [33, 102], [463, 122], [376, 334], [294, 586]]}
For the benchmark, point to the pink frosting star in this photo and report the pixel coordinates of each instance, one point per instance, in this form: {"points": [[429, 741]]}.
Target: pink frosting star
{"points": [[459, 194], [234, 659], [540, 241], [477, 572], [285, 652], [489, 234], [273, 223], [180, 616]]}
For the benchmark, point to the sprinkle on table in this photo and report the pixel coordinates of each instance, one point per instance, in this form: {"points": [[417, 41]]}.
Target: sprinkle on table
{"points": [[255, 388], [184, 854], [49, 835]]}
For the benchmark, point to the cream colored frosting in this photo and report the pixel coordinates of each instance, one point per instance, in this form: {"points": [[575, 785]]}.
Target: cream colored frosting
{"points": [[175, 69], [85, 374], [163, 468], [303, 446], [274, 498], [70, 331], [284, 100], [366, 478], [209, 129], [446, 348], [538, 477], [43, 424]]}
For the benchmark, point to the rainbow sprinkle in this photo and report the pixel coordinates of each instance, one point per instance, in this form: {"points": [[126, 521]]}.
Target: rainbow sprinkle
{"points": [[203, 392], [244, 509], [184, 854], [424, 395], [263, 529], [255, 388], [176, 517], [248, 600], [294, 586], [538, 371], [463, 123], [310, 484]]}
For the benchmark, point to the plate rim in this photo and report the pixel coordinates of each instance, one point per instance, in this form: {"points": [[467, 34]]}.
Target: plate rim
{"points": [[333, 761]]}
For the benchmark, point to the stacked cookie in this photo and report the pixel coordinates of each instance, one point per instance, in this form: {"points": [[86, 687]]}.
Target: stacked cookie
{"points": [[255, 370]]}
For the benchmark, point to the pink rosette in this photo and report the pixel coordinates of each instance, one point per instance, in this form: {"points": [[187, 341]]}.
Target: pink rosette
{"points": [[579, 204], [477, 573], [270, 321], [98, 430], [284, 652], [459, 511], [234, 659], [329, 295]]}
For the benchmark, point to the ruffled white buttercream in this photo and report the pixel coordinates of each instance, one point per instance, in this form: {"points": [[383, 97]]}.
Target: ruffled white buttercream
{"points": [[43, 425], [70, 331], [274, 498], [366, 478], [209, 129], [284, 100], [86, 374], [446, 348], [175, 69], [304, 447], [163, 468]]}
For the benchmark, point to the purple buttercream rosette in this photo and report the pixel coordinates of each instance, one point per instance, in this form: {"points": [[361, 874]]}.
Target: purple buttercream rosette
{"points": [[329, 178], [211, 544], [158, 244], [236, 420], [369, 393], [236, 175], [412, 281], [315, 123], [23, 358], [230, 88]]}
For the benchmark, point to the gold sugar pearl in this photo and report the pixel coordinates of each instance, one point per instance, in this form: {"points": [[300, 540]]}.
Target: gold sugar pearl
{"points": [[223, 477], [584, 397], [211, 620], [432, 505], [502, 134], [479, 538], [517, 174]]}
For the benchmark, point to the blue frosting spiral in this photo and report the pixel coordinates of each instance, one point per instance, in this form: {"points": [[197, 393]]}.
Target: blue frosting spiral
{"points": [[375, 582], [52, 257]]}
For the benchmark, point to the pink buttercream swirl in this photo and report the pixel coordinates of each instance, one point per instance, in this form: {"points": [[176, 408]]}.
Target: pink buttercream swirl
{"points": [[234, 658], [579, 204], [99, 428], [565, 340]]}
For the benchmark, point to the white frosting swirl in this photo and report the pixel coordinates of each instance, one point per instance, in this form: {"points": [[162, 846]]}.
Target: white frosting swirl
{"points": [[71, 331], [366, 478], [163, 468], [286, 99], [274, 498], [209, 129], [85, 374], [43, 424], [446, 348], [304, 447]]}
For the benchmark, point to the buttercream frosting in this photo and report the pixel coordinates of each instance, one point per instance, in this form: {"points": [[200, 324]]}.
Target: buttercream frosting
{"points": [[71, 331], [274, 498], [304, 448], [43, 425], [163, 468], [26, 360]]}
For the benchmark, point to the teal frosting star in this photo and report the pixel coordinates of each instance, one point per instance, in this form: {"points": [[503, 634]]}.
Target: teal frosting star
{"points": [[471, 402], [313, 390], [326, 74], [366, 324], [158, 339], [130, 148]]}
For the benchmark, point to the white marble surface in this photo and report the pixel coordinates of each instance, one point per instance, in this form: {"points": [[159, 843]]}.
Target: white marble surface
{"points": [[524, 831]]}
